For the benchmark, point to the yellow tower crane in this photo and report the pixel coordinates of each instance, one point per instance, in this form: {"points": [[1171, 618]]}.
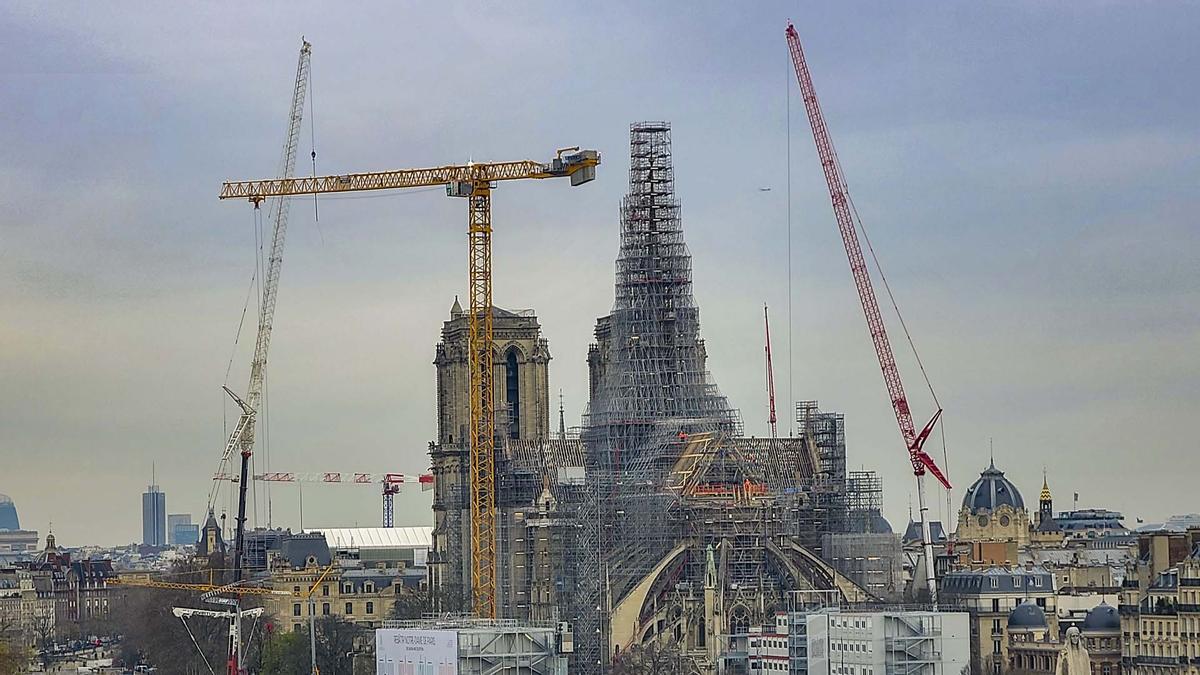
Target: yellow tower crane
{"points": [[473, 181]]}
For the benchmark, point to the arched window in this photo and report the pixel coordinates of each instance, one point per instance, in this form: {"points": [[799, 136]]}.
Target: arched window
{"points": [[512, 394]]}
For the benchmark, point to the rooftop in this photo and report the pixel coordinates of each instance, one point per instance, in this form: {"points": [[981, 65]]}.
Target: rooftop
{"points": [[379, 537]]}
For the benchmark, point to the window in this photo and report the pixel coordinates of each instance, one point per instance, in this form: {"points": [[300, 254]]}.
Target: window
{"points": [[296, 609], [325, 590], [512, 391], [1016, 581], [295, 589], [995, 604], [995, 626], [369, 587], [995, 582], [296, 628], [347, 588], [324, 609], [370, 608], [995, 646]]}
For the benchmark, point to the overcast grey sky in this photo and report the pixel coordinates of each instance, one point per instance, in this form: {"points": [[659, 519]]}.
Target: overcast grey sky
{"points": [[1028, 172]]}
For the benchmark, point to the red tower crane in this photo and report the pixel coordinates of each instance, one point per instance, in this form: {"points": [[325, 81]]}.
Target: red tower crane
{"points": [[391, 483], [771, 419], [839, 194]]}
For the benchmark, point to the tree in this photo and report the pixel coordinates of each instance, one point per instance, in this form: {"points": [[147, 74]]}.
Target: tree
{"points": [[14, 658], [286, 654], [153, 633], [654, 658], [43, 632], [415, 603], [337, 642]]}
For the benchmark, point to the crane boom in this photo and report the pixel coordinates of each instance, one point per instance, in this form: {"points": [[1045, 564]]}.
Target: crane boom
{"points": [[575, 165], [839, 194], [474, 181], [242, 437]]}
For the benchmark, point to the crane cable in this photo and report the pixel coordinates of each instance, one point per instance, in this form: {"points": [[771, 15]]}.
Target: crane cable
{"points": [[903, 325], [237, 337], [189, 632], [312, 144]]}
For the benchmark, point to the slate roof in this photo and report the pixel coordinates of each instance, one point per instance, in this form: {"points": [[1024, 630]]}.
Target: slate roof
{"points": [[1027, 615], [1102, 617], [998, 580], [991, 491]]}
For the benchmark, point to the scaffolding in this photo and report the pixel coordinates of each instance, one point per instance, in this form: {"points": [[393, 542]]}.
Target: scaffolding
{"points": [[650, 392]]}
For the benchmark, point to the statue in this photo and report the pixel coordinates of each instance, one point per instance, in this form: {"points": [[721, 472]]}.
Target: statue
{"points": [[1073, 658]]}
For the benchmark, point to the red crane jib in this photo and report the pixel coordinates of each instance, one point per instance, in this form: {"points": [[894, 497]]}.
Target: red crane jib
{"points": [[839, 195]]}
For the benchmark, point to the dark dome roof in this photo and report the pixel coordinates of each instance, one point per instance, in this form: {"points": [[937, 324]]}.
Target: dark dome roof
{"points": [[991, 491], [1102, 617], [1027, 615]]}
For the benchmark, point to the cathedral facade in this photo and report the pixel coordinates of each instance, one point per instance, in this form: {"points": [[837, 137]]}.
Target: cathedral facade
{"points": [[533, 470]]}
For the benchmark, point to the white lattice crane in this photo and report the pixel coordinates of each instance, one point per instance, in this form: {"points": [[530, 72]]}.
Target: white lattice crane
{"points": [[242, 438]]}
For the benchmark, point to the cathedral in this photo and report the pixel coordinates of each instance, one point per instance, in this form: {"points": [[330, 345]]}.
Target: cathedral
{"points": [[662, 522]]}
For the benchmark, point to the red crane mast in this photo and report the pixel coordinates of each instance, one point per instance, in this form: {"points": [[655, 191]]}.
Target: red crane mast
{"points": [[839, 194], [771, 419]]}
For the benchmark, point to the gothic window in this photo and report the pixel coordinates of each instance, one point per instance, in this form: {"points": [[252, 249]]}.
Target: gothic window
{"points": [[512, 393]]}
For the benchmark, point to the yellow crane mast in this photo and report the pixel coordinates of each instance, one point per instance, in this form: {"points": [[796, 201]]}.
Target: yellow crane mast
{"points": [[473, 181]]}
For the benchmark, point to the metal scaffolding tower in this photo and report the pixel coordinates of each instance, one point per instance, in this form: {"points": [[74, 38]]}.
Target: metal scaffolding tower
{"points": [[651, 391]]}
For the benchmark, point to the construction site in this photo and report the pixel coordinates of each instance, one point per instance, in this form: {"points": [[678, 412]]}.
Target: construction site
{"points": [[548, 338], [657, 520], [660, 520]]}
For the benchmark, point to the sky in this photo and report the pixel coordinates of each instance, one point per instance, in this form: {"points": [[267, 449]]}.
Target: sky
{"points": [[1027, 172]]}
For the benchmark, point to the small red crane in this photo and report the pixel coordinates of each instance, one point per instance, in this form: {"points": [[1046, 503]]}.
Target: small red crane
{"points": [[771, 419], [839, 194]]}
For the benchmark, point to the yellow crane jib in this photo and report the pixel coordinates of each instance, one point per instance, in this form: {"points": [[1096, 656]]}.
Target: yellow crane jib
{"points": [[579, 165], [473, 181]]}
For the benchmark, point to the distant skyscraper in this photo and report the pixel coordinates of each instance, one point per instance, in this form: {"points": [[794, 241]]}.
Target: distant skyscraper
{"points": [[8, 514], [154, 516], [181, 531]]}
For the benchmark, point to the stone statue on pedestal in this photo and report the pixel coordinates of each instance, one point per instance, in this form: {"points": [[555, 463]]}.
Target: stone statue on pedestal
{"points": [[1073, 659]]}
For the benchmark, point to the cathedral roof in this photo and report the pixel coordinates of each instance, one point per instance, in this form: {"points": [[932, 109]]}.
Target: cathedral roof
{"points": [[991, 491]]}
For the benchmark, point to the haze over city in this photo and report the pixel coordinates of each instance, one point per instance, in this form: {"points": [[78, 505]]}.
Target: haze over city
{"points": [[1027, 173]]}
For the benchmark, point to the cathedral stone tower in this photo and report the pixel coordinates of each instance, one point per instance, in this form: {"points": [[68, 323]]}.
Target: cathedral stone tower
{"points": [[521, 359], [522, 397]]}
